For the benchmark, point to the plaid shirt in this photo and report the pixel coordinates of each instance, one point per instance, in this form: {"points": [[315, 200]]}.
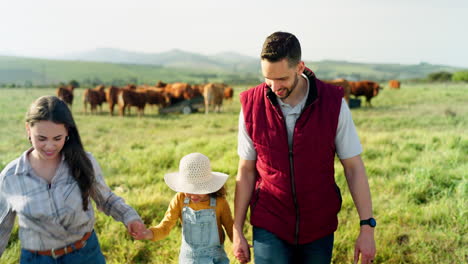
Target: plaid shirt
{"points": [[52, 215]]}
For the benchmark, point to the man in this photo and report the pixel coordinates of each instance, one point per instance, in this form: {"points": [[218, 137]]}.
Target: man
{"points": [[290, 128]]}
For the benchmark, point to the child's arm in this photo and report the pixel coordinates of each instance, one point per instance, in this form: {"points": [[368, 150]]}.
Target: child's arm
{"points": [[163, 229], [226, 218]]}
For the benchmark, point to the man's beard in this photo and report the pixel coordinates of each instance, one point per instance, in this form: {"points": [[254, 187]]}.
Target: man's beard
{"points": [[293, 86]]}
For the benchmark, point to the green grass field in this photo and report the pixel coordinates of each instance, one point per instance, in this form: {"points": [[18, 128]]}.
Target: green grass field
{"points": [[415, 149]]}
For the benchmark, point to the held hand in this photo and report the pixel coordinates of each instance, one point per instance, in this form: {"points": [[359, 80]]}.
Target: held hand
{"points": [[136, 228], [146, 234], [240, 247], [365, 246]]}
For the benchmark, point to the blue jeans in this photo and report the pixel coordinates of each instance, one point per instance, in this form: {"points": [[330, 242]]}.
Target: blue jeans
{"points": [[269, 249], [91, 253]]}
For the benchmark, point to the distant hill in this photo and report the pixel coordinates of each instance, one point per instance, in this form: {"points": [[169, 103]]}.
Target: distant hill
{"points": [[228, 61], [113, 66]]}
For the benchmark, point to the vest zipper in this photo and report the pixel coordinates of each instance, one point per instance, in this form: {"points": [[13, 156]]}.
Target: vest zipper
{"points": [[293, 188], [293, 182]]}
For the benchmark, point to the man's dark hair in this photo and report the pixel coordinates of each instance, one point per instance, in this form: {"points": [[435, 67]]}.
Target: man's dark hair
{"points": [[280, 45]]}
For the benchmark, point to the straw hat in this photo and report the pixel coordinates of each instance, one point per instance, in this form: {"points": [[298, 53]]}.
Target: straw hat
{"points": [[195, 176]]}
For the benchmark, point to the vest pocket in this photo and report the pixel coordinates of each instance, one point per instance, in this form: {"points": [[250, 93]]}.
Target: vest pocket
{"points": [[340, 198], [255, 197]]}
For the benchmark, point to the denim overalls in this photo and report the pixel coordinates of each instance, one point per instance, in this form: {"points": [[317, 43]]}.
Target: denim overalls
{"points": [[200, 238]]}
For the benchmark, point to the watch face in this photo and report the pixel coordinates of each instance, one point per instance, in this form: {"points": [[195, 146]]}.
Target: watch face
{"points": [[372, 222]]}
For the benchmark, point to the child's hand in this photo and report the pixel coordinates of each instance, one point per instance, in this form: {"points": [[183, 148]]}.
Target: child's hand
{"points": [[135, 227], [144, 234]]}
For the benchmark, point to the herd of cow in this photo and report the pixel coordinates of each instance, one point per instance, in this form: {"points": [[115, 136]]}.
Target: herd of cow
{"points": [[368, 89], [162, 95], [166, 94]]}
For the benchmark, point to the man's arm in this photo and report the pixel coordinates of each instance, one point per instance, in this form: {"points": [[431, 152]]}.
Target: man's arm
{"points": [[360, 191], [245, 182]]}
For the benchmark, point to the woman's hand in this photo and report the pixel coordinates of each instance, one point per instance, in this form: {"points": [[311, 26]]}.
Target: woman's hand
{"points": [[136, 228]]}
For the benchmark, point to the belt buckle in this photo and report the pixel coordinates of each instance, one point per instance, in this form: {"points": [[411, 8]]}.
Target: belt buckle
{"points": [[53, 253]]}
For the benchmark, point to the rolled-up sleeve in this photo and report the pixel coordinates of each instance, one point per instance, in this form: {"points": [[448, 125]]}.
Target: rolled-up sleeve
{"points": [[7, 220], [108, 202]]}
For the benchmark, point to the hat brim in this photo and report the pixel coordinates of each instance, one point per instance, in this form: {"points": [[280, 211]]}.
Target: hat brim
{"points": [[177, 183]]}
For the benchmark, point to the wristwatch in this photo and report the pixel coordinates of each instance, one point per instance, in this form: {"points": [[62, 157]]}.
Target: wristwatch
{"points": [[371, 221]]}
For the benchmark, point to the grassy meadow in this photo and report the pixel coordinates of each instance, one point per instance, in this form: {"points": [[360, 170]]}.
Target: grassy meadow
{"points": [[415, 144]]}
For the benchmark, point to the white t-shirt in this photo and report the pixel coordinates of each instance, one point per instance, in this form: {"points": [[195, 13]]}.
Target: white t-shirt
{"points": [[346, 140]]}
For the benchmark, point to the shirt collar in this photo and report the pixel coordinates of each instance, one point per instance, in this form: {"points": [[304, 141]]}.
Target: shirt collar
{"points": [[24, 166], [301, 104]]}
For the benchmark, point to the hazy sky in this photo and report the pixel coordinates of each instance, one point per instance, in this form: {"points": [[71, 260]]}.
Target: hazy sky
{"points": [[393, 31]]}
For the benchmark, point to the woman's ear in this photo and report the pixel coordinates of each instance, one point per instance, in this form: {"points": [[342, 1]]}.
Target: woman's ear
{"points": [[28, 129]]}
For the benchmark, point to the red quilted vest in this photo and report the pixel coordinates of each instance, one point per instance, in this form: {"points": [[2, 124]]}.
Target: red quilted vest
{"points": [[295, 195]]}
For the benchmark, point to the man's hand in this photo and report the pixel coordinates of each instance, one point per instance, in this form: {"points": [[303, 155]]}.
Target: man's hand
{"points": [[365, 246], [240, 247]]}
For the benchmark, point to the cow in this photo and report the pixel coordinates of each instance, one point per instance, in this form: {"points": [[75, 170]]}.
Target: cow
{"points": [[366, 88], [112, 93], [155, 96], [130, 86], [66, 94], [213, 94], [198, 89], [394, 84], [346, 87], [160, 84], [228, 93], [179, 91], [95, 97], [130, 97]]}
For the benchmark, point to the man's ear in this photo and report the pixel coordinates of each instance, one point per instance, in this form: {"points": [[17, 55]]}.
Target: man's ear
{"points": [[300, 68]]}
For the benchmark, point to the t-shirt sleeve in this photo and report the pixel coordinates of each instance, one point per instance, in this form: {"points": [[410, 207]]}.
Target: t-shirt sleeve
{"points": [[346, 140], [245, 147]]}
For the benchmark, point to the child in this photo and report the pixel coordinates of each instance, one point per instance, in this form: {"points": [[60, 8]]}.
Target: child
{"points": [[201, 206]]}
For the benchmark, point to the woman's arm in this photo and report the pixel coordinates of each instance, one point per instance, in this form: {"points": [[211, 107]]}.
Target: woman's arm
{"points": [[7, 220], [107, 201]]}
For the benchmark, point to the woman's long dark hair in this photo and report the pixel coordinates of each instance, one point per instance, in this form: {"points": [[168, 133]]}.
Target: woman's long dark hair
{"points": [[51, 108]]}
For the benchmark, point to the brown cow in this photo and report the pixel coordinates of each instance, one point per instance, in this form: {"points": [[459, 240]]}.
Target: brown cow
{"points": [[198, 89], [343, 83], [130, 86], [155, 96], [179, 91], [160, 84], [129, 97], [112, 93], [228, 93], [95, 97], [394, 84], [213, 93], [368, 89], [66, 94]]}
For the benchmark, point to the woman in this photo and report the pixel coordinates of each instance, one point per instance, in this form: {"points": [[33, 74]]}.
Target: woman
{"points": [[49, 187]]}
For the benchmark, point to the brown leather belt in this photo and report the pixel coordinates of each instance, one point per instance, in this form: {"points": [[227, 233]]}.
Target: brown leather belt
{"points": [[58, 252]]}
